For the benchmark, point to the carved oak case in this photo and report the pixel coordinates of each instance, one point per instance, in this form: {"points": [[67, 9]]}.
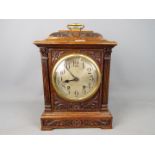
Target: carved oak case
{"points": [[61, 113]]}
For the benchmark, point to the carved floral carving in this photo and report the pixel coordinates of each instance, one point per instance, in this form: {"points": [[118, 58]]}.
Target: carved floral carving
{"points": [[90, 105], [75, 123], [107, 55], [44, 51], [83, 34], [94, 54]]}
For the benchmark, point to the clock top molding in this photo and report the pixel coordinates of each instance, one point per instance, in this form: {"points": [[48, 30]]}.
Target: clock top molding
{"points": [[75, 35]]}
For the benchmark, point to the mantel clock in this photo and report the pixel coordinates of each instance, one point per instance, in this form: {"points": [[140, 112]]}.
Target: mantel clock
{"points": [[75, 68]]}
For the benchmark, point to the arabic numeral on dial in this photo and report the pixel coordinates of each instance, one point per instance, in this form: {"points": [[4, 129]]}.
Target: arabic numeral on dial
{"points": [[68, 88], [62, 72], [83, 65], [89, 70], [76, 63], [76, 93], [58, 81], [91, 78], [61, 78], [89, 85], [84, 89], [63, 86], [67, 65]]}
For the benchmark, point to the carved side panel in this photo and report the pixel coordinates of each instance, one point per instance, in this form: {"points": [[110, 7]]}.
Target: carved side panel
{"points": [[51, 124], [94, 103], [106, 72], [46, 82]]}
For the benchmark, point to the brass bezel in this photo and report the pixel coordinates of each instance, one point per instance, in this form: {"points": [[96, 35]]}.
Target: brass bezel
{"points": [[89, 95]]}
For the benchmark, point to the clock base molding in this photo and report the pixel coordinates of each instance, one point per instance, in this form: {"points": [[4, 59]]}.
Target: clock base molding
{"points": [[55, 120]]}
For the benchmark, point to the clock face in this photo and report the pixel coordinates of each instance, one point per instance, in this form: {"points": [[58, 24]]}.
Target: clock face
{"points": [[76, 77]]}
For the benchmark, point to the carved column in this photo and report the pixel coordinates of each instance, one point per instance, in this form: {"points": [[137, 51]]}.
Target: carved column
{"points": [[106, 74], [46, 81]]}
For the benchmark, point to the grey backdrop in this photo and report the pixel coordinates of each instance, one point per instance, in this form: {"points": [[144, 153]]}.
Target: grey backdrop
{"points": [[132, 76]]}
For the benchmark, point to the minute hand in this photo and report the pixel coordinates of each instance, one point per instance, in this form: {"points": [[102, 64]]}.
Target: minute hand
{"points": [[72, 74]]}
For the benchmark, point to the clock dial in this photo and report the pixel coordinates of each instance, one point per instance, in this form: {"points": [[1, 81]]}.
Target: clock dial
{"points": [[76, 77]]}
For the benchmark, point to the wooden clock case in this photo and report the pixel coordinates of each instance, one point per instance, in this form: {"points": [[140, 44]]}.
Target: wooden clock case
{"points": [[60, 113]]}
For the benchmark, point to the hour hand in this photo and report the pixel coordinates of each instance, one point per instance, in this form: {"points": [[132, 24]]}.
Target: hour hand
{"points": [[75, 79]]}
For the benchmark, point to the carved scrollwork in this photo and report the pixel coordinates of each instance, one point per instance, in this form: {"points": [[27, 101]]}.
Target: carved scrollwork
{"points": [[75, 123], [107, 55], [94, 54], [83, 34], [56, 55], [90, 105], [44, 51]]}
